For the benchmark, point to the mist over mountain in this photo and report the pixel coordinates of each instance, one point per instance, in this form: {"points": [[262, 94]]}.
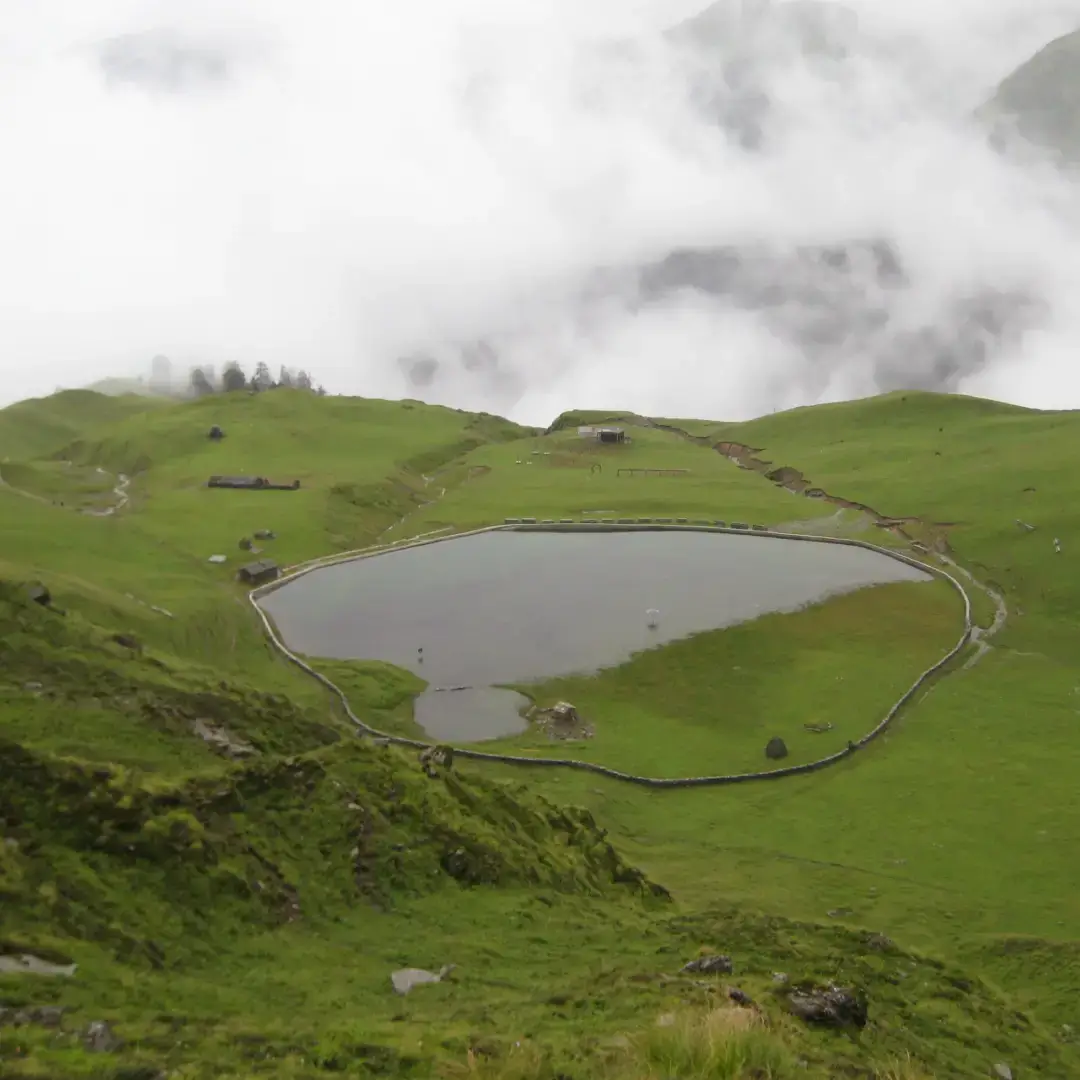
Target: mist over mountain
{"points": [[524, 207], [1039, 103]]}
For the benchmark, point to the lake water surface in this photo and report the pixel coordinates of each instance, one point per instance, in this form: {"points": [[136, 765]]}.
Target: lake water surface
{"points": [[506, 607]]}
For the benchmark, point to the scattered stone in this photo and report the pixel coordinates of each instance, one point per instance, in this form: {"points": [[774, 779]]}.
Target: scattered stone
{"points": [[50, 1016], [776, 749], [40, 595], [221, 740], [128, 641], [665, 1020], [100, 1039], [709, 965], [818, 729], [245, 543], [561, 721], [779, 977], [1002, 1071], [33, 686], [740, 997], [218, 559], [265, 534], [28, 964], [1025, 525], [405, 979], [831, 1006], [840, 913], [880, 942], [434, 757]]}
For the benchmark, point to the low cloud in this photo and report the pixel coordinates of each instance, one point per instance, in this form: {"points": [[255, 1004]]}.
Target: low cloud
{"points": [[527, 206]]}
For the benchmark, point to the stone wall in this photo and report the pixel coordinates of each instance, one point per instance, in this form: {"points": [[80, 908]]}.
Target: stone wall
{"points": [[602, 770]]}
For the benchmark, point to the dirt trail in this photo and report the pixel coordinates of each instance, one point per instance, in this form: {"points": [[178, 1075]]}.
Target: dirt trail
{"points": [[475, 471], [120, 491], [935, 532], [122, 497]]}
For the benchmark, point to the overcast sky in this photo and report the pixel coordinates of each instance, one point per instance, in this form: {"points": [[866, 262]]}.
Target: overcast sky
{"points": [[340, 185]]}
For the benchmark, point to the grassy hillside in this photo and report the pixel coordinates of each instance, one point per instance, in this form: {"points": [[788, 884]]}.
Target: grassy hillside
{"points": [[192, 822], [40, 425]]}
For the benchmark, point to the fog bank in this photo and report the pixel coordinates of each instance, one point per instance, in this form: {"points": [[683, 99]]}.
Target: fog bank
{"points": [[523, 206]]}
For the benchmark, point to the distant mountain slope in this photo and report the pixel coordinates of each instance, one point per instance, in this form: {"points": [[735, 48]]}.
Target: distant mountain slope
{"points": [[1041, 99], [42, 425]]}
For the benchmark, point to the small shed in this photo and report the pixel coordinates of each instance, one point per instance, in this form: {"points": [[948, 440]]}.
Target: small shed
{"points": [[216, 433], [602, 434], [238, 482], [250, 483], [259, 573]]}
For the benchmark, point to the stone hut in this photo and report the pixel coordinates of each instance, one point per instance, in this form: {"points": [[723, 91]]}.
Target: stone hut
{"points": [[259, 573]]}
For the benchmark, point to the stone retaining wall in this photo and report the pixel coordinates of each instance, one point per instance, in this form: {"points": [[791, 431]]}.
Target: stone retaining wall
{"points": [[588, 766]]}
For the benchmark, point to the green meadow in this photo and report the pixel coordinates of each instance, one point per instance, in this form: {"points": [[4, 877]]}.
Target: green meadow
{"points": [[236, 902]]}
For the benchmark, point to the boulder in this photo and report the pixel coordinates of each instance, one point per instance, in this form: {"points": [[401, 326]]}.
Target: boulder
{"points": [[776, 749], [405, 979], [829, 1006], [709, 965], [100, 1039]]}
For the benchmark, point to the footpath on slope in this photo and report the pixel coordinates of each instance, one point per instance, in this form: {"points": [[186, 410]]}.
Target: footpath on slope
{"points": [[449, 753], [791, 479], [120, 491]]}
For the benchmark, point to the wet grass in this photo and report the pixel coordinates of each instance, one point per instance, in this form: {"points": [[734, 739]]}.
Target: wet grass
{"points": [[711, 702], [171, 874]]}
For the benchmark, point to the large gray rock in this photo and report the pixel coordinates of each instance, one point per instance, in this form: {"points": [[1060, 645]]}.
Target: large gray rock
{"points": [[709, 965], [406, 978], [776, 749], [829, 1006]]}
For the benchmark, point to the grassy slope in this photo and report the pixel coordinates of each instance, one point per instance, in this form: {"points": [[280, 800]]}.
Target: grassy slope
{"points": [[710, 703], [916, 836], [562, 971], [42, 425]]}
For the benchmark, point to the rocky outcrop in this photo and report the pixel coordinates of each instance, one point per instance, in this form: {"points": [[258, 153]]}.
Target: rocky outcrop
{"points": [[709, 965], [561, 721], [828, 1006]]}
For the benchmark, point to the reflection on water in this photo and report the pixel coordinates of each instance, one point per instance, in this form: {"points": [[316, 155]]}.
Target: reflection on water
{"points": [[508, 607]]}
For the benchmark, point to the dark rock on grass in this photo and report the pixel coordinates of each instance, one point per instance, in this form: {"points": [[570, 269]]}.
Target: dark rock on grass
{"points": [[709, 965], [776, 749], [99, 1038], [880, 943], [128, 641], [50, 1016], [740, 997], [828, 1006]]}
